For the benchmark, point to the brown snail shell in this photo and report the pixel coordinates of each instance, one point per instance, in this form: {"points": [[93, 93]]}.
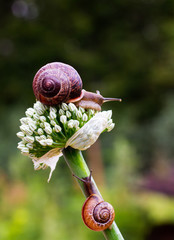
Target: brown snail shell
{"points": [[57, 82], [97, 214]]}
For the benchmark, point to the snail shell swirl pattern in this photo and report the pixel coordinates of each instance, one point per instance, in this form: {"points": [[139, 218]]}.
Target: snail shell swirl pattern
{"points": [[57, 82], [97, 214]]}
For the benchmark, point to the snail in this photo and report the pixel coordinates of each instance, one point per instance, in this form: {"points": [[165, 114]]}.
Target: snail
{"points": [[57, 82], [97, 214]]}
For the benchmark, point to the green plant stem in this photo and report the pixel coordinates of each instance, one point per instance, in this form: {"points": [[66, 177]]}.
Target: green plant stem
{"points": [[78, 166]]}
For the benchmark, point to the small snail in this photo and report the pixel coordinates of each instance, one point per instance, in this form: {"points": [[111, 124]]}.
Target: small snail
{"points": [[57, 82], [97, 214]]}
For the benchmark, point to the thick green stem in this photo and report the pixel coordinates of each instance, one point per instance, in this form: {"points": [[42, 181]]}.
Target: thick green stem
{"points": [[78, 166]]}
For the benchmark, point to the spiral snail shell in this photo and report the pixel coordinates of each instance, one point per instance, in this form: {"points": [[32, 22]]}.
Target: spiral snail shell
{"points": [[97, 214], [57, 82]]}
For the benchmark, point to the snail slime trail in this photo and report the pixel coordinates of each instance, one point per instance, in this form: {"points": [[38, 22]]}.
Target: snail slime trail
{"points": [[57, 82]]}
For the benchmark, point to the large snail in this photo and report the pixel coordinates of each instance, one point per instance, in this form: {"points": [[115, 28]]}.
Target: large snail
{"points": [[57, 82], [97, 214]]}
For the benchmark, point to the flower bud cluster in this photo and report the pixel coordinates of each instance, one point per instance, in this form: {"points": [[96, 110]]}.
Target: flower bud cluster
{"points": [[44, 128]]}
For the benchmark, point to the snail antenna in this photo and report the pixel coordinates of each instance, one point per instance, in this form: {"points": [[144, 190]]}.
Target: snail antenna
{"points": [[112, 99]]}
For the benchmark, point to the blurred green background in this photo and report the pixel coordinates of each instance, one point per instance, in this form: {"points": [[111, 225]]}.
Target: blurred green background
{"points": [[124, 48]]}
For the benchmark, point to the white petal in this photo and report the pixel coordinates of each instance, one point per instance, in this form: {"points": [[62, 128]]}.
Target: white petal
{"points": [[50, 159], [90, 132]]}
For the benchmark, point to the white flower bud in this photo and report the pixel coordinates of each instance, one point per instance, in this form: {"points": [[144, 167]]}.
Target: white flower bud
{"points": [[85, 117], [68, 114], [20, 145], [37, 138], [78, 114], [43, 137], [48, 130], [64, 106], [29, 145], [70, 123], [32, 126], [61, 112], [46, 125], [36, 117], [42, 125], [49, 141], [109, 128], [49, 137], [57, 128], [29, 139], [43, 142], [25, 120], [53, 123], [72, 107], [25, 150], [82, 110], [20, 135], [53, 109], [42, 119], [25, 129], [76, 124], [40, 131], [30, 112], [39, 108], [52, 115], [63, 119], [91, 111], [110, 122]]}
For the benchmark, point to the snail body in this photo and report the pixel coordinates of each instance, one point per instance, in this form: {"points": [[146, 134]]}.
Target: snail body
{"points": [[97, 214], [57, 82]]}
